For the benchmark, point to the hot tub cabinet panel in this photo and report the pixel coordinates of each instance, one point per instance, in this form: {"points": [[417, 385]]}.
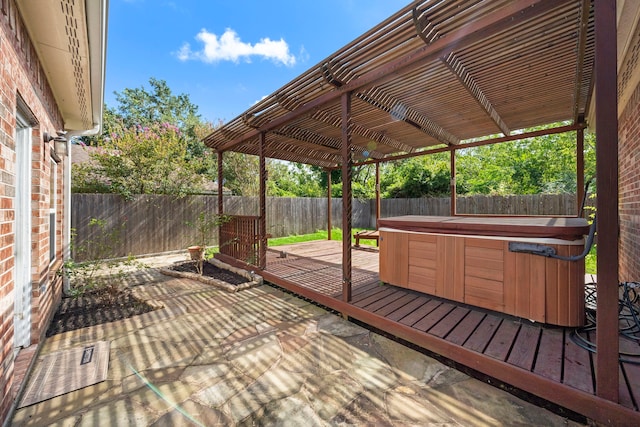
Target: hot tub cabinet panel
{"points": [[481, 271]]}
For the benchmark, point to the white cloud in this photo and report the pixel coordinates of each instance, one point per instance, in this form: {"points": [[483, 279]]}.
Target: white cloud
{"points": [[229, 47]]}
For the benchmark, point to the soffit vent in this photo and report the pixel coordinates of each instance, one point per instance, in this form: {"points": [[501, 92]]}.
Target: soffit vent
{"points": [[73, 45]]}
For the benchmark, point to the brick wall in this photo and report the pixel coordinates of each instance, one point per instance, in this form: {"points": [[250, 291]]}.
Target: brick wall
{"points": [[629, 198], [22, 77]]}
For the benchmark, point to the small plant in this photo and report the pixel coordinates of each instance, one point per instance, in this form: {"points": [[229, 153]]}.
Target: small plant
{"points": [[205, 225], [102, 272]]}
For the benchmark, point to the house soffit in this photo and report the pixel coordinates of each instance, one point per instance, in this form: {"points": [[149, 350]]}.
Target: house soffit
{"points": [[66, 47]]}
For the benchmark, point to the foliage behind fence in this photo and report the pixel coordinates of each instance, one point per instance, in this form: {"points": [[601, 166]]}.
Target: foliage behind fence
{"points": [[153, 224]]}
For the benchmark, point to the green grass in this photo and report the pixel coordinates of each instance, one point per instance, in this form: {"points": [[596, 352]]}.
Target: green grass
{"points": [[590, 261], [336, 234]]}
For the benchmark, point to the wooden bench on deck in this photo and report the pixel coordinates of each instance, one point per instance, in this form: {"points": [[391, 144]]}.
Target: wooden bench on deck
{"points": [[367, 235]]}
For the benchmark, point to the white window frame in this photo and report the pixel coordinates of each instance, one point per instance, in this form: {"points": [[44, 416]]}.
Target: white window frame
{"points": [[53, 206], [22, 224]]}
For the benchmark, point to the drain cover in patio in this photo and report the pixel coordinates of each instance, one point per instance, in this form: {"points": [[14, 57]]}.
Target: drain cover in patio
{"points": [[66, 371]]}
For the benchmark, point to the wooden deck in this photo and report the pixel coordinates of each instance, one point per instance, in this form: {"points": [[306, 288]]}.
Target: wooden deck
{"points": [[538, 359]]}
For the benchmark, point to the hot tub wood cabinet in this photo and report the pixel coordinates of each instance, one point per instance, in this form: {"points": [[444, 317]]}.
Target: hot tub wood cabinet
{"points": [[467, 259]]}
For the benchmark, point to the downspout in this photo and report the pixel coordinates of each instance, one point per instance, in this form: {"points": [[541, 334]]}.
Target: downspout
{"points": [[66, 235]]}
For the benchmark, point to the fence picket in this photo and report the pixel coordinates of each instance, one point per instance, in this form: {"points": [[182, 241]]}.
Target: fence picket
{"points": [[152, 224]]}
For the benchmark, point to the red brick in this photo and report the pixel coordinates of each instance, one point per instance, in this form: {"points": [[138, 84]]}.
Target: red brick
{"points": [[629, 187]]}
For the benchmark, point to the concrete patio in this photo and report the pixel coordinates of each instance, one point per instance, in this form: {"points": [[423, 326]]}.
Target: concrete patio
{"points": [[263, 357]]}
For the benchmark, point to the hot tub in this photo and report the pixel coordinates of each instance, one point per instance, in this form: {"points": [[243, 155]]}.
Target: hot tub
{"points": [[467, 259]]}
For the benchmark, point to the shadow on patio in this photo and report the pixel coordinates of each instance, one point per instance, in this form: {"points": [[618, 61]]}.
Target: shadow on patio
{"points": [[263, 357]]}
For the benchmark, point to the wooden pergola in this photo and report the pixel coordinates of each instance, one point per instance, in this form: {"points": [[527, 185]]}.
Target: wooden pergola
{"points": [[447, 75]]}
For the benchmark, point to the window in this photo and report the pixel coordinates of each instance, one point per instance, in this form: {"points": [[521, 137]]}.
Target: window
{"points": [[52, 208]]}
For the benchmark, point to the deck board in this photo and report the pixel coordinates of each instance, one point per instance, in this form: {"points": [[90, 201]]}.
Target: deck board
{"points": [[502, 341], [364, 289], [404, 299], [403, 311], [577, 363], [481, 337], [435, 316], [362, 300], [524, 348], [549, 358], [453, 318], [414, 317], [392, 296], [494, 341], [630, 372], [466, 327]]}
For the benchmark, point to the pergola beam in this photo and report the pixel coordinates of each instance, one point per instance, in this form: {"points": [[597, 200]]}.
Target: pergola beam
{"points": [[458, 69], [396, 109], [400, 111], [380, 138], [310, 137], [335, 121], [297, 154], [428, 33], [478, 30], [582, 42]]}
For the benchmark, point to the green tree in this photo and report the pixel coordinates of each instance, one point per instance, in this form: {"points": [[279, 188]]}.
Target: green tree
{"points": [[151, 143], [292, 180], [424, 176], [545, 164], [241, 173], [140, 160]]}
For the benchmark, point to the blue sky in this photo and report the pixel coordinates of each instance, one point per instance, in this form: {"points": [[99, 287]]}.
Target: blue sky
{"points": [[226, 55]]}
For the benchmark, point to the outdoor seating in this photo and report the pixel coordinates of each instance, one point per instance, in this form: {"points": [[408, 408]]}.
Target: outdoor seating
{"points": [[367, 235]]}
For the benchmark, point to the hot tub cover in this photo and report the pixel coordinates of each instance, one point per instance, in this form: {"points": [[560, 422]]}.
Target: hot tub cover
{"points": [[565, 228]]}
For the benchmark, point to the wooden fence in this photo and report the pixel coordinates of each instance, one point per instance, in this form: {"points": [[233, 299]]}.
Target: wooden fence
{"points": [[150, 224]]}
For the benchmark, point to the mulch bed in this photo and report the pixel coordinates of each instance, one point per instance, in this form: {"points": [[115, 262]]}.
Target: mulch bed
{"points": [[211, 270], [91, 309]]}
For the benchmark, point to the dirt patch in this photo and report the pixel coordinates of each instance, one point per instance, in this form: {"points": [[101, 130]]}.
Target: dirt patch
{"points": [[91, 309]]}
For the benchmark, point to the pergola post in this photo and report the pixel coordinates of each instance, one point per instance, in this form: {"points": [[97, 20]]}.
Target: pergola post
{"points": [[579, 169], [220, 186], [346, 196], [220, 198], [262, 221], [452, 182], [329, 224], [377, 193], [607, 335]]}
